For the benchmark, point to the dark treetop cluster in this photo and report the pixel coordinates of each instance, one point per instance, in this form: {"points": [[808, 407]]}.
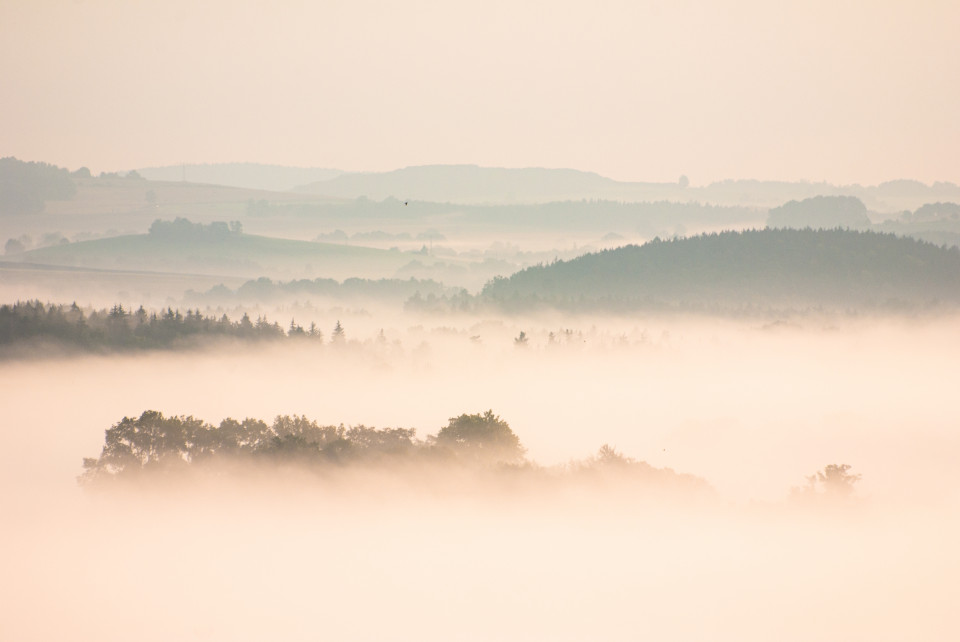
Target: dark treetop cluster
{"points": [[157, 445]]}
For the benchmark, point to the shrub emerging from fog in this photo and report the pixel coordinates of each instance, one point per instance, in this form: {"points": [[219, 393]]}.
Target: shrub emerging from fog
{"points": [[835, 483], [609, 465]]}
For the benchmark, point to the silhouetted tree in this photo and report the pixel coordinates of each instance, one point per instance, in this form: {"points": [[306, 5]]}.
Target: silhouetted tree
{"points": [[338, 336], [834, 482], [484, 438]]}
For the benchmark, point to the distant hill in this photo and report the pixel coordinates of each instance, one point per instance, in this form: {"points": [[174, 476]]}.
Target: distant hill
{"points": [[471, 184], [184, 247], [933, 213], [778, 268], [937, 223], [821, 212], [274, 178], [25, 187]]}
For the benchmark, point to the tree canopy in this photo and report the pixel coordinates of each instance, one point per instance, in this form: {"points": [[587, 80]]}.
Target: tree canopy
{"points": [[478, 444], [483, 438]]}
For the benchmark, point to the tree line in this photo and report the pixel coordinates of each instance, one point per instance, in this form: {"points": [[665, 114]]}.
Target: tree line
{"points": [[122, 329], [265, 289], [181, 229]]}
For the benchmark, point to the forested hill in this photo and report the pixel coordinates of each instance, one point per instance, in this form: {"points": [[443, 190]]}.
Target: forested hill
{"points": [[735, 270]]}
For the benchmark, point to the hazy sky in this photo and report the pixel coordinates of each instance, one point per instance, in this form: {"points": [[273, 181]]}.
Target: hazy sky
{"points": [[636, 90]]}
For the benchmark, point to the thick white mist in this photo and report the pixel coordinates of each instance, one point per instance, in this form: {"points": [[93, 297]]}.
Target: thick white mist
{"points": [[751, 410]]}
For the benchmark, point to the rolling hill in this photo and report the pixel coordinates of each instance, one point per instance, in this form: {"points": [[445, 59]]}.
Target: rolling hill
{"points": [[257, 176], [779, 268], [471, 184], [233, 254]]}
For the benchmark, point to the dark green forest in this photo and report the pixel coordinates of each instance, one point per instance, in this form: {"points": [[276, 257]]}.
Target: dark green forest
{"points": [[121, 329], [155, 445], [734, 270]]}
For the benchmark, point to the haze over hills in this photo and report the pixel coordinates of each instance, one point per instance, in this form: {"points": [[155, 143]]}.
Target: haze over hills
{"points": [[113, 205], [274, 178], [180, 246], [320, 414], [457, 198], [471, 184], [468, 184]]}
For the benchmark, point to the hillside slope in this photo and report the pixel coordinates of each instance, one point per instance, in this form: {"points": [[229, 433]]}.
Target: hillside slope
{"points": [[730, 270], [471, 184], [244, 255]]}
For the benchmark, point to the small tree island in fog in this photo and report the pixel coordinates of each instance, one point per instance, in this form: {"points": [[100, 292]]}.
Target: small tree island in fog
{"points": [[479, 450], [155, 446]]}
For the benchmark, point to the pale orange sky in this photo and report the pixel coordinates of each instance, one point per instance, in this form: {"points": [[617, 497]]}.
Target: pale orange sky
{"points": [[816, 90]]}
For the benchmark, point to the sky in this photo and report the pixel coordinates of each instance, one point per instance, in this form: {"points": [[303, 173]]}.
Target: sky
{"points": [[841, 91]]}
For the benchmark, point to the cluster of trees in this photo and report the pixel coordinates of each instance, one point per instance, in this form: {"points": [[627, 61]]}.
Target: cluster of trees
{"points": [[339, 236], [25, 242], [265, 289], [181, 229], [932, 212], [119, 328], [25, 187], [153, 443], [835, 483], [736, 270]]}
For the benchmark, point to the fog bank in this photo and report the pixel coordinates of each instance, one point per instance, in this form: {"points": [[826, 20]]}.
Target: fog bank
{"points": [[751, 410]]}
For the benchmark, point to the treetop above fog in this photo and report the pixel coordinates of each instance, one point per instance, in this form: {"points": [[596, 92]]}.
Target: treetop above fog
{"points": [[482, 437]]}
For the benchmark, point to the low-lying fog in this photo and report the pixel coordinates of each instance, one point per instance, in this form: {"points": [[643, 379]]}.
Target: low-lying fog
{"points": [[751, 409]]}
